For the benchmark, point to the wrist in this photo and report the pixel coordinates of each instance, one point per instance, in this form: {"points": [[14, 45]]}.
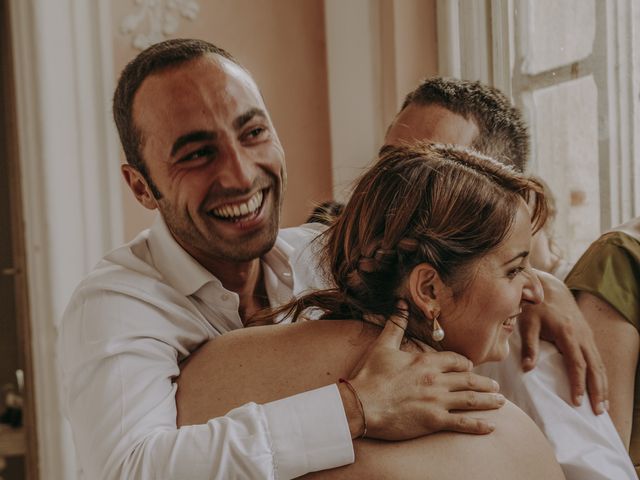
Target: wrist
{"points": [[353, 409]]}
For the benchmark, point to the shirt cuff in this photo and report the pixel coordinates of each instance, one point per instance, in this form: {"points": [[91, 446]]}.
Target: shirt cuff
{"points": [[309, 432]]}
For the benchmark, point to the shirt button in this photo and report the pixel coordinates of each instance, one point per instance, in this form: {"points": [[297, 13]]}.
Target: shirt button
{"points": [[225, 297]]}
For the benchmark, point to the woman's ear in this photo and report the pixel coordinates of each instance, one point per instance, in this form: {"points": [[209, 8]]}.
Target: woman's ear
{"points": [[424, 285]]}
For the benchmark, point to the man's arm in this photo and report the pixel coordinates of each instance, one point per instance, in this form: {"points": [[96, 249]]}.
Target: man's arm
{"points": [[619, 342], [559, 320], [268, 362], [403, 395], [119, 357]]}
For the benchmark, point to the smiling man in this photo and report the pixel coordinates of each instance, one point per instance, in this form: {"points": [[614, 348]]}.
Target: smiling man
{"points": [[218, 169], [201, 149]]}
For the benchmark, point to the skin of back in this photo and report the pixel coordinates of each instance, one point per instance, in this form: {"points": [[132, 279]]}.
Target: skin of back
{"points": [[262, 364]]}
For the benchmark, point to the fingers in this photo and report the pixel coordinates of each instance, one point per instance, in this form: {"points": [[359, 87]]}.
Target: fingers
{"points": [[407, 395], [576, 368], [597, 384], [447, 361], [475, 401], [530, 334], [393, 331], [468, 381], [463, 423]]}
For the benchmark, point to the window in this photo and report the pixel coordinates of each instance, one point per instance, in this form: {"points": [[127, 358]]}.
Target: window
{"points": [[574, 69]]}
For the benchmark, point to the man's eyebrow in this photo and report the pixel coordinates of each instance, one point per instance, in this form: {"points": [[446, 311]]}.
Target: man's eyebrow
{"points": [[243, 119], [523, 254], [191, 137]]}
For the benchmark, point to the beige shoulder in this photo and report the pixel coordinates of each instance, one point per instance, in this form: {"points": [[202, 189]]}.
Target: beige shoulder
{"points": [[516, 449]]}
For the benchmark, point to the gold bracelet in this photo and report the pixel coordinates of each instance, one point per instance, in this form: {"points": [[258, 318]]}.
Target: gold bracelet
{"points": [[355, 394]]}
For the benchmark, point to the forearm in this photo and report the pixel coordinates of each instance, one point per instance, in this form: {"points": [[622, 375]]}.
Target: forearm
{"points": [[404, 394], [559, 320], [618, 342], [133, 434], [236, 445], [119, 396]]}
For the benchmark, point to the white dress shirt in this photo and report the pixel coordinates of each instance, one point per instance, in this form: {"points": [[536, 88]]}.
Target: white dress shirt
{"points": [[586, 446], [142, 310], [148, 304]]}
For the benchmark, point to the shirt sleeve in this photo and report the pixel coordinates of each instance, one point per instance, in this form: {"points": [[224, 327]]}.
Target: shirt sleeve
{"points": [[119, 356], [309, 432], [609, 270]]}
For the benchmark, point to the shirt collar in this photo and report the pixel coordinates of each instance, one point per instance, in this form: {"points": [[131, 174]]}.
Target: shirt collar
{"points": [[179, 269], [185, 274], [277, 273]]}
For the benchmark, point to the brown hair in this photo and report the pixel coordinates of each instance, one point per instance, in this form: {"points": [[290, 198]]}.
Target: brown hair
{"points": [[326, 212], [502, 134], [440, 204], [154, 59]]}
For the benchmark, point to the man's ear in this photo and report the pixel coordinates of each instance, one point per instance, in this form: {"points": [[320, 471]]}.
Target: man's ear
{"points": [[138, 185], [424, 285]]}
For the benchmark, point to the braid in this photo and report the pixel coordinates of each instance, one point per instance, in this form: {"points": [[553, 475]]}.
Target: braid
{"points": [[442, 205]]}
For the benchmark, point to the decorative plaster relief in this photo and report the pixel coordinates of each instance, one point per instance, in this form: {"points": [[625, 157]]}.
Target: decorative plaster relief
{"points": [[162, 16]]}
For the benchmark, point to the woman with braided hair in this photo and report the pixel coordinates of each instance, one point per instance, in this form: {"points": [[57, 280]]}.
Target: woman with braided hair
{"points": [[440, 231]]}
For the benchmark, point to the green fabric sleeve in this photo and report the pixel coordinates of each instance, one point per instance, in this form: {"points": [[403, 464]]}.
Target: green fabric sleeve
{"points": [[610, 270]]}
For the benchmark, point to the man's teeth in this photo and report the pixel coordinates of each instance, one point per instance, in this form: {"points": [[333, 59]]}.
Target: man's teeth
{"points": [[240, 209]]}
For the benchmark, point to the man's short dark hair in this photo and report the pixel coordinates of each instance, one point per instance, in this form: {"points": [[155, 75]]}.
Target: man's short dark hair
{"points": [[154, 59], [503, 133]]}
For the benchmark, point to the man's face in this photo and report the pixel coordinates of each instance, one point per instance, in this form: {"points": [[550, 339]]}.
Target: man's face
{"points": [[215, 157], [432, 123]]}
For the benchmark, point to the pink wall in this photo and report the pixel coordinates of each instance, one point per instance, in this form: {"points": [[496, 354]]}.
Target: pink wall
{"points": [[409, 50], [282, 43], [416, 43]]}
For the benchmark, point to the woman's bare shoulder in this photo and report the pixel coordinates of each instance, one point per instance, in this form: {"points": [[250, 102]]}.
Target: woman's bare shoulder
{"points": [[516, 449]]}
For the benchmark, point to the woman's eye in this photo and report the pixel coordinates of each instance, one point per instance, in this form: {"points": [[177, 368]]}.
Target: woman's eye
{"points": [[514, 272]]}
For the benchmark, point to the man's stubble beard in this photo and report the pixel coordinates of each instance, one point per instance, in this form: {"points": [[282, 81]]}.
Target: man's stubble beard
{"points": [[209, 244]]}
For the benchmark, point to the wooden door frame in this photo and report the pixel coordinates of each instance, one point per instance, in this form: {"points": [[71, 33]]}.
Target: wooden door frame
{"points": [[70, 185], [16, 221]]}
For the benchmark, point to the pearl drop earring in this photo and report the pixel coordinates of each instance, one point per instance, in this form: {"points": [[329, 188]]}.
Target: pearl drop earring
{"points": [[437, 333]]}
